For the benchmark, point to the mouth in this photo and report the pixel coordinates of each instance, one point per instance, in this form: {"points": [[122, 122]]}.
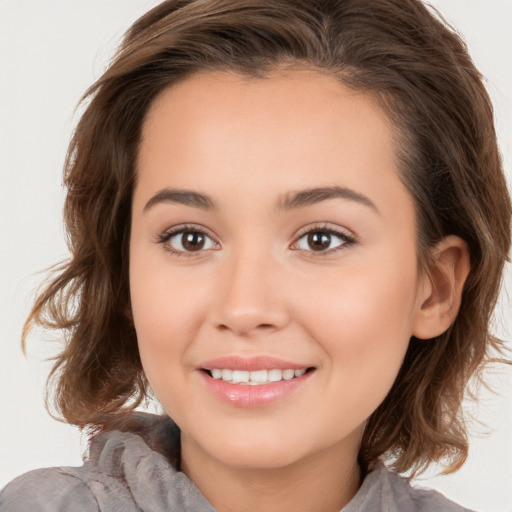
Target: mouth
{"points": [[255, 381], [256, 377]]}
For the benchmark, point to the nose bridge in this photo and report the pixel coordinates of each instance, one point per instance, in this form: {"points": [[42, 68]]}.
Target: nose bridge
{"points": [[250, 298]]}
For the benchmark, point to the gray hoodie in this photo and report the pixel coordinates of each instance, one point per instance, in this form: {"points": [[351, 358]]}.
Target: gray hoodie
{"points": [[137, 470]]}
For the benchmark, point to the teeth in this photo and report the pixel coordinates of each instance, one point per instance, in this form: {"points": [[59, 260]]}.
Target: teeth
{"points": [[256, 377], [239, 377], [216, 373], [275, 375], [226, 375], [288, 374]]}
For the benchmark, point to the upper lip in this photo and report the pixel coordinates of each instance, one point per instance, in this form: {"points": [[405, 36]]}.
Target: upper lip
{"points": [[252, 363]]}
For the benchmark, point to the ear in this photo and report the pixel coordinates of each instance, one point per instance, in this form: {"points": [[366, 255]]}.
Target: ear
{"points": [[441, 286]]}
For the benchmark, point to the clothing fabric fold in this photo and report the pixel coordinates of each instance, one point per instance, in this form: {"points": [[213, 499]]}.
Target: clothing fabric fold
{"points": [[134, 467]]}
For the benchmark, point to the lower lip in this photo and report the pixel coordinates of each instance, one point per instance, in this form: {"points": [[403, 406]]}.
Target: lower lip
{"points": [[240, 395]]}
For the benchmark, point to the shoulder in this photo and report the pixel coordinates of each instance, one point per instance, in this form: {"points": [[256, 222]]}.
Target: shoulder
{"points": [[52, 489], [89, 488], [124, 471], [386, 490]]}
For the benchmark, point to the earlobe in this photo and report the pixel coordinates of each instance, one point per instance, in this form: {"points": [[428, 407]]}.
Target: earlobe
{"points": [[441, 289]]}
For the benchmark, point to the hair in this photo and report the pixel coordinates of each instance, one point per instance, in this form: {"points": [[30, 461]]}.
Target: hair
{"points": [[397, 51]]}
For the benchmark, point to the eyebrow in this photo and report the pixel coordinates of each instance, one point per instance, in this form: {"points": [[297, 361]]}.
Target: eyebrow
{"points": [[313, 196], [294, 200], [179, 196]]}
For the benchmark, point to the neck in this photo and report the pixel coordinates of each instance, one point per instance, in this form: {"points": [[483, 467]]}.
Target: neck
{"points": [[324, 482]]}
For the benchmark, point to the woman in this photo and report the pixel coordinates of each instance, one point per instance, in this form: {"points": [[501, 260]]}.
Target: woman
{"points": [[367, 129]]}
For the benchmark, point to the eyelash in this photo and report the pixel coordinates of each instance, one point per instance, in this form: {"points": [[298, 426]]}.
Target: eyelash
{"points": [[346, 239], [166, 236]]}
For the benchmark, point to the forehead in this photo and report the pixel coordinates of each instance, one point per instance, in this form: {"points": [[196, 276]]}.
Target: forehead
{"points": [[316, 104], [292, 129]]}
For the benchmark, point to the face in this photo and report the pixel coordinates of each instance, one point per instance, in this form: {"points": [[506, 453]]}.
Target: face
{"points": [[273, 267]]}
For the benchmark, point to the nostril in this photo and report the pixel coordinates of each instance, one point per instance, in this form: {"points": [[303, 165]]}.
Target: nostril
{"points": [[245, 330], [250, 312]]}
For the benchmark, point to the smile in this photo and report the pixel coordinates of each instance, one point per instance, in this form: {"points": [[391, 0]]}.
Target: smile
{"points": [[255, 378], [256, 381]]}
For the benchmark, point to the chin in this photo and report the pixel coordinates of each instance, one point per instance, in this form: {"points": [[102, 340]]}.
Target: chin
{"points": [[254, 452], [257, 458]]}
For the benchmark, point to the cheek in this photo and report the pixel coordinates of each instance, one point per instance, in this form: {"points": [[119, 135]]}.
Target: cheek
{"points": [[168, 307], [362, 318], [157, 308], [164, 300], [163, 337], [368, 299]]}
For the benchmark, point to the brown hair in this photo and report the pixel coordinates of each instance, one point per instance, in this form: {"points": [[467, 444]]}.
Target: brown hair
{"points": [[419, 70]]}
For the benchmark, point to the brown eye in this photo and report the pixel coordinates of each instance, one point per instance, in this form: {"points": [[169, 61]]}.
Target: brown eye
{"points": [[323, 241], [319, 241], [192, 240], [187, 241]]}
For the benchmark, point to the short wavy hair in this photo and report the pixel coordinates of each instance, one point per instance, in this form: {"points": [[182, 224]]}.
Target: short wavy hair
{"points": [[400, 52]]}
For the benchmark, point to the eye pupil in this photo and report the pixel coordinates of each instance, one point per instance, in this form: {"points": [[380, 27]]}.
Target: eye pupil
{"points": [[319, 240], [193, 241]]}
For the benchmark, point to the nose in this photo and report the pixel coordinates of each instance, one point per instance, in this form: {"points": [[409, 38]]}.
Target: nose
{"points": [[251, 297]]}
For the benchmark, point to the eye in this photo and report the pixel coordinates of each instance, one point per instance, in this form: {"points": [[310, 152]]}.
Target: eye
{"points": [[323, 240], [185, 240]]}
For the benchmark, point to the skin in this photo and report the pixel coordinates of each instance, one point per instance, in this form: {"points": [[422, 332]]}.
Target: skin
{"points": [[258, 288]]}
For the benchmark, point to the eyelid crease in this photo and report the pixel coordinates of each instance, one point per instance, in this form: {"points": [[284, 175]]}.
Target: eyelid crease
{"points": [[182, 228], [164, 237], [327, 228], [341, 233]]}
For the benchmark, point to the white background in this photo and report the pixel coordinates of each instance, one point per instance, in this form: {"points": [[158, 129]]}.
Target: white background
{"points": [[49, 53]]}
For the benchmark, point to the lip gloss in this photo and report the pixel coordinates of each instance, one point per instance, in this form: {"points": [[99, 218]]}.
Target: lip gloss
{"points": [[248, 395], [244, 395]]}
